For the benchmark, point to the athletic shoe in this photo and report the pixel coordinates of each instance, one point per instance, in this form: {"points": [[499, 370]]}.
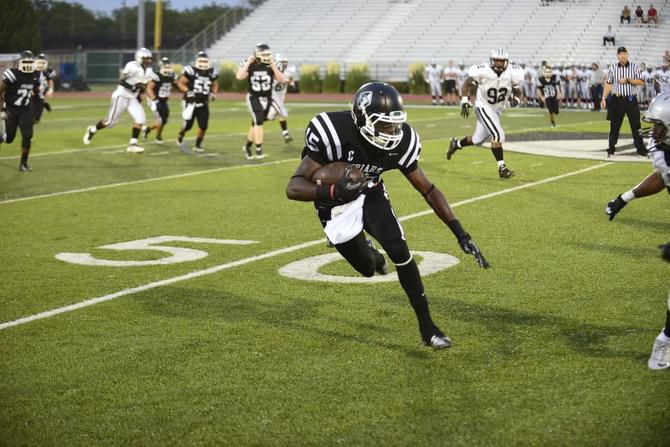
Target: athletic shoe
{"points": [[247, 152], [88, 135], [260, 154], [23, 167], [134, 149], [504, 172], [159, 140], [287, 138], [197, 149], [660, 354], [381, 266], [614, 206], [436, 339], [453, 147]]}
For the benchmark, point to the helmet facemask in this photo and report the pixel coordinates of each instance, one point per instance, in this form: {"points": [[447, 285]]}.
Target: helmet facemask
{"points": [[41, 63], [202, 63], [27, 62], [143, 57], [499, 65], [263, 54], [383, 130]]}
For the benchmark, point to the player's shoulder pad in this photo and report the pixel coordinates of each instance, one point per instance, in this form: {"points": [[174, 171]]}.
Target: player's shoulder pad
{"points": [[9, 76], [409, 147], [327, 132], [188, 71]]}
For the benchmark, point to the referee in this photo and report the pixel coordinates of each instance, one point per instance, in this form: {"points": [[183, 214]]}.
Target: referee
{"points": [[622, 82]]}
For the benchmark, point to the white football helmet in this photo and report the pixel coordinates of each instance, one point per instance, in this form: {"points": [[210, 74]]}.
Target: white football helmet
{"points": [[143, 57], [202, 61], [27, 62], [263, 53], [282, 62], [499, 60], [658, 114], [41, 62]]}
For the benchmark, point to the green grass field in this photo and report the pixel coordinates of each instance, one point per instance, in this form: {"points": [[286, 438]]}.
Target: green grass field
{"points": [[550, 345]]}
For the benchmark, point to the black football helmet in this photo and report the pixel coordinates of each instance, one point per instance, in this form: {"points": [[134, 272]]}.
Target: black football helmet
{"points": [[202, 61], [379, 114], [166, 67], [27, 62], [263, 53], [41, 62]]}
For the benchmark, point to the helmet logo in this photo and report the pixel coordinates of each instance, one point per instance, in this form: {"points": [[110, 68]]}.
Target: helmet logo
{"points": [[364, 100]]}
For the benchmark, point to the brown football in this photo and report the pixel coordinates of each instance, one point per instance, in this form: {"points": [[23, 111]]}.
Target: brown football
{"points": [[332, 172]]}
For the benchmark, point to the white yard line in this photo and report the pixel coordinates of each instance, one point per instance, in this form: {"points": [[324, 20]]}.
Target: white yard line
{"points": [[155, 179], [269, 254]]}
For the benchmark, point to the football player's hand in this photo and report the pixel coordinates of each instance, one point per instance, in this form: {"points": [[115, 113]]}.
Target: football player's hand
{"points": [[212, 96], [665, 251], [465, 106], [190, 96], [49, 93], [513, 101], [470, 247], [344, 190], [153, 105], [47, 106]]}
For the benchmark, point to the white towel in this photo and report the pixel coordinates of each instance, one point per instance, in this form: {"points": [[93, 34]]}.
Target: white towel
{"points": [[187, 113], [346, 221]]}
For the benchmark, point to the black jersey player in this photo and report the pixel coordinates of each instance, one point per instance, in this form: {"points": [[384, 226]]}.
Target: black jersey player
{"points": [[17, 87], [375, 137], [158, 93]]}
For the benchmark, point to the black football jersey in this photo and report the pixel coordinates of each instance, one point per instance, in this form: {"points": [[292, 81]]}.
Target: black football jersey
{"points": [[549, 87], [163, 85], [200, 82], [45, 76], [20, 86], [260, 79], [333, 136]]}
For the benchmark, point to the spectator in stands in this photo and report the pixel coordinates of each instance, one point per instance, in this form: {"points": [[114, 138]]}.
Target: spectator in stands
{"points": [[597, 80], [652, 16], [625, 15], [639, 16], [666, 57], [609, 37]]}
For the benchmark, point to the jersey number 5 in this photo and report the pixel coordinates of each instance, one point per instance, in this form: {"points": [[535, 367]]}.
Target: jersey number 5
{"points": [[261, 82], [495, 95]]}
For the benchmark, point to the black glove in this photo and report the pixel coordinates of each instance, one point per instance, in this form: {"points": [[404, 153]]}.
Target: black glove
{"points": [[344, 190], [513, 101], [614, 206], [470, 247], [47, 106], [190, 96], [465, 109], [665, 251]]}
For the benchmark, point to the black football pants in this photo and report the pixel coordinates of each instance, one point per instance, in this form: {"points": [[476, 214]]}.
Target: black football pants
{"points": [[19, 118], [618, 107]]}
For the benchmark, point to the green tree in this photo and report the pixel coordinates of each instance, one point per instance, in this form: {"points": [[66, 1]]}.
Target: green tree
{"points": [[18, 26]]}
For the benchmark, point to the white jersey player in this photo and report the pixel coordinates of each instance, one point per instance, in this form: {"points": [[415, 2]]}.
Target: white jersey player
{"points": [[277, 107], [134, 78], [662, 79], [433, 75], [496, 86]]}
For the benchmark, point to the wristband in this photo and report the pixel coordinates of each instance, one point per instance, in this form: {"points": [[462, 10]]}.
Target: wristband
{"points": [[456, 228], [325, 192], [465, 100]]}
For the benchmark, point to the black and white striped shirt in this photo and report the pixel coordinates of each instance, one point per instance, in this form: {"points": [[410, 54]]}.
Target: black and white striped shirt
{"points": [[629, 71]]}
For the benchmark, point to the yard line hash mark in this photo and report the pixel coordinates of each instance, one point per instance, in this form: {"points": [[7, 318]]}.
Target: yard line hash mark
{"points": [[269, 254]]}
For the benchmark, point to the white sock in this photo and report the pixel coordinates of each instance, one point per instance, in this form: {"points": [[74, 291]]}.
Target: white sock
{"points": [[93, 129], [501, 163], [133, 141], [628, 196]]}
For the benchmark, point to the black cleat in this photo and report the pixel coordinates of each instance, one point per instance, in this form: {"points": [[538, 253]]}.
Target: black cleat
{"points": [[614, 207], [505, 172], [247, 152], [453, 147]]}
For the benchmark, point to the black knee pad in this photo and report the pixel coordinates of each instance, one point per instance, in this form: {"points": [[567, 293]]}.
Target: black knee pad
{"points": [[397, 250]]}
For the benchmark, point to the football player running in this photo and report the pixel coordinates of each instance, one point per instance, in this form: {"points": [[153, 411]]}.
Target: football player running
{"points": [[132, 83], [548, 88], [375, 137], [46, 88], [198, 83], [660, 351], [158, 93], [658, 146], [496, 85], [17, 87], [278, 108], [260, 71]]}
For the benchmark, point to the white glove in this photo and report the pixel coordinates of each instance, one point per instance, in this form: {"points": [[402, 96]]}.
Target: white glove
{"points": [[153, 105]]}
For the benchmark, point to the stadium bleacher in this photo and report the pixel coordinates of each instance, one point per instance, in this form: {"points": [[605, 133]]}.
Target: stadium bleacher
{"points": [[350, 31]]}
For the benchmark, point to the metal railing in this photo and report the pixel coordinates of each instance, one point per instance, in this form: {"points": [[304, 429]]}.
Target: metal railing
{"points": [[208, 36]]}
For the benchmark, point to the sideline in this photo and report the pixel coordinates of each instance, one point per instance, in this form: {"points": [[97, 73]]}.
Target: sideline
{"points": [[269, 254]]}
